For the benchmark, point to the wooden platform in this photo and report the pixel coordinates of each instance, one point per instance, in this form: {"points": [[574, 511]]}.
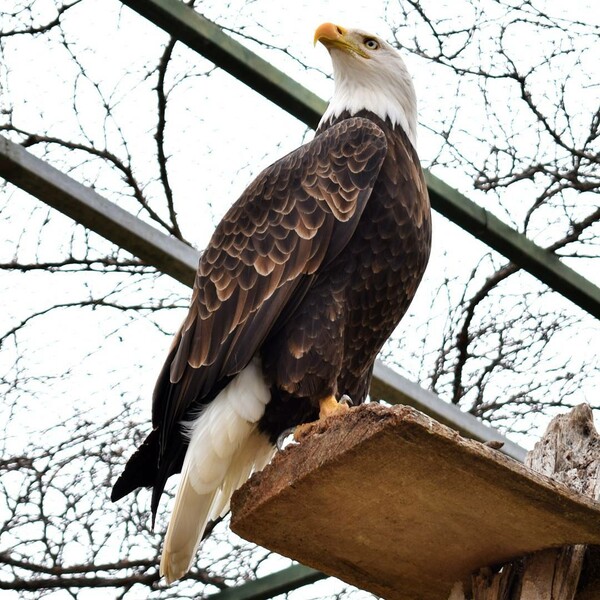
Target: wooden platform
{"points": [[397, 504]]}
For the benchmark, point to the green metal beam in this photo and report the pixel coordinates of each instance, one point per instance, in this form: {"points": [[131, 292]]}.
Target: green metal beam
{"points": [[393, 388], [518, 248], [271, 585], [86, 206], [200, 34], [208, 39]]}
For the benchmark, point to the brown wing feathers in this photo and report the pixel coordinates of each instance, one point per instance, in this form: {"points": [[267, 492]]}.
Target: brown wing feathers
{"points": [[258, 259], [295, 217]]}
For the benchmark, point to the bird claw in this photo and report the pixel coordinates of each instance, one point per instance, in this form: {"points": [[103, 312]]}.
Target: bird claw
{"points": [[344, 403], [283, 442], [345, 400]]}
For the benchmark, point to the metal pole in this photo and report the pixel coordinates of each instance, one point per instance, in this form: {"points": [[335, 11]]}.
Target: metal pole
{"points": [[98, 214], [271, 585]]}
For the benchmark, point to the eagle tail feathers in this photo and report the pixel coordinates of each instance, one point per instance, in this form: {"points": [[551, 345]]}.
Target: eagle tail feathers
{"points": [[225, 448], [188, 521]]}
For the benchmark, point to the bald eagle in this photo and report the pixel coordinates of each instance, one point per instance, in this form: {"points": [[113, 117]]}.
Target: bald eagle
{"points": [[302, 282]]}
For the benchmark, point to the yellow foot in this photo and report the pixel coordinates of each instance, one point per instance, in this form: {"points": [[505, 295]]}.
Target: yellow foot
{"points": [[330, 406], [327, 407]]}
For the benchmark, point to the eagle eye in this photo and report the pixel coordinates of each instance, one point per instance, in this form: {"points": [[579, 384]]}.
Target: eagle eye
{"points": [[371, 44]]}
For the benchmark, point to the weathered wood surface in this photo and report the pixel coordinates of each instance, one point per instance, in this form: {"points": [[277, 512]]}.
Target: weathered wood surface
{"points": [[391, 501], [569, 453]]}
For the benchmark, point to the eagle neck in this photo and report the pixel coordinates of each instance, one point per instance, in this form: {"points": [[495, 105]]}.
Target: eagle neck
{"points": [[388, 95], [385, 124]]}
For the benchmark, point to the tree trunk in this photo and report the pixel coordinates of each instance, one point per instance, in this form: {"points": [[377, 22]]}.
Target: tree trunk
{"points": [[569, 453]]}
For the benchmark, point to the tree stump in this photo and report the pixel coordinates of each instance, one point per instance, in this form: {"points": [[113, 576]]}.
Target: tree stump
{"points": [[568, 453]]}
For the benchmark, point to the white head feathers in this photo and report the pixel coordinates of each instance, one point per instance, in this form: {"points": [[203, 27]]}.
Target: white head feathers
{"points": [[369, 74]]}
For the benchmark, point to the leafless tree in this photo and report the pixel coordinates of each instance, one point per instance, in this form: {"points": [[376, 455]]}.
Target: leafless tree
{"points": [[514, 87], [509, 116]]}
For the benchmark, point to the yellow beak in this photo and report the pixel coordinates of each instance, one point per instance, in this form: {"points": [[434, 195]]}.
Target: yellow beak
{"points": [[335, 36], [328, 33]]}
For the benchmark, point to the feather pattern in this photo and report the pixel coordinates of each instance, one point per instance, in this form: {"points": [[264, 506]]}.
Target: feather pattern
{"points": [[294, 218]]}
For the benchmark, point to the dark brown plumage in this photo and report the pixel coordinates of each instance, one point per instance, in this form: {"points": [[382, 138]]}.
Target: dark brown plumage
{"points": [[310, 271], [329, 344]]}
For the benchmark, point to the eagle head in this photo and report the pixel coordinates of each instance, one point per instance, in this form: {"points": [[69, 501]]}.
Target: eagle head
{"points": [[369, 74]]}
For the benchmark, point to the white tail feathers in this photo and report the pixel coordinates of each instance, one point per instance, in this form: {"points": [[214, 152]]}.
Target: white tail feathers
{"points": [[225, 448]]}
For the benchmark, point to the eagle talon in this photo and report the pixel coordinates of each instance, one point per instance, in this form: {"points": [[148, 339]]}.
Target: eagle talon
{"points": [[345, 400], [281, 440]]}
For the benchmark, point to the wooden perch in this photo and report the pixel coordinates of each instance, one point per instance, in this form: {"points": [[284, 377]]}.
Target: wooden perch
{"points": [[391, 501]]}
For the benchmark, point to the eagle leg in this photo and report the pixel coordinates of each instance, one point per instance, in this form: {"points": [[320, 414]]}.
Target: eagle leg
{"points": [[328, 407]]}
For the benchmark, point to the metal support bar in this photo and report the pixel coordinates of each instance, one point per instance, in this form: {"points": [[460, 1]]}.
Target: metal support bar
{"points": [[518, 248], [390, 386], [200, 34], [208, 39], [271, 585], [98, 214]]}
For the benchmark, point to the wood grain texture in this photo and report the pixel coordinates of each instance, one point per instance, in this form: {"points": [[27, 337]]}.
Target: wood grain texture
{"points": [[391, 501]]}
